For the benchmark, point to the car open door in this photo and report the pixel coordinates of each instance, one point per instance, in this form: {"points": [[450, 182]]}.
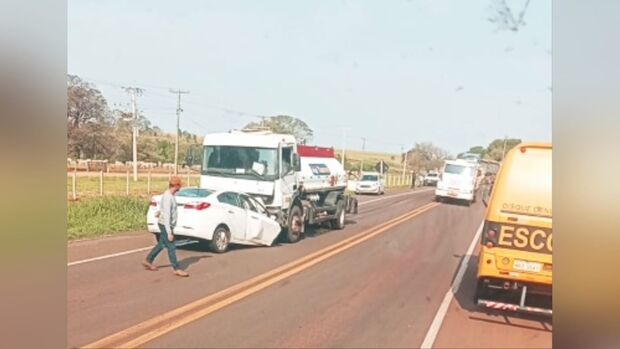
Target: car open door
{"points": [[260, 228]]}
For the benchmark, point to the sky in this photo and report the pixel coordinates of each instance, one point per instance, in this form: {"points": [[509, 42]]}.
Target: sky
{"points": [[394, 72]]}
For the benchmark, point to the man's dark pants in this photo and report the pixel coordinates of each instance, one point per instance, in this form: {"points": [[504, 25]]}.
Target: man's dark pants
{"points": [[161, 244]]}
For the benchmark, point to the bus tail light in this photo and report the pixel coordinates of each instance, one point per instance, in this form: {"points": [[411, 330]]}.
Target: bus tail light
{"points": [[489, 235]]}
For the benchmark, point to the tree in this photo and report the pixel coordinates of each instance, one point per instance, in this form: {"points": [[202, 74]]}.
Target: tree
{"points": [[495, 150], [84, 103], [89, 123], [426, 157], [285, 124]]}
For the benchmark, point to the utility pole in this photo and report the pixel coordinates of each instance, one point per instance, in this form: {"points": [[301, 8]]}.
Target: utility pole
{"points": [[363, 150], [134, 91], [176, 142]]}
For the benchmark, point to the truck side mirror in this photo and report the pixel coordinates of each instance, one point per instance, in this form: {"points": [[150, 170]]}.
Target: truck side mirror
{"points": [[296, 162]]}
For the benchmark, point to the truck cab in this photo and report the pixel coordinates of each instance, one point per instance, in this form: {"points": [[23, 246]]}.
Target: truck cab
{"points": [[298, 184], [457, 181]]}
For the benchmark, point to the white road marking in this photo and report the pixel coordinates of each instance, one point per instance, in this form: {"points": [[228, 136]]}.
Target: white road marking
{"points": [[182, 244], [123, 253], [433, 330]]}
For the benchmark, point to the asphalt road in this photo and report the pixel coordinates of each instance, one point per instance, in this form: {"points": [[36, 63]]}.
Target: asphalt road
{"points": [[380, 282]]}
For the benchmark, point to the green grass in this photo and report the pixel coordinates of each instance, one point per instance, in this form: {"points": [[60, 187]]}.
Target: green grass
{"points": [[354, 158], [103, 216]]}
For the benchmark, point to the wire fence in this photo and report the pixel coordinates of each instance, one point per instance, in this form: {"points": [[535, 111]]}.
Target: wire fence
{"points": [[82, 185]]}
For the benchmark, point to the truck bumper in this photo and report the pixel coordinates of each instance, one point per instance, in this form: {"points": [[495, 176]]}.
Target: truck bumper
{"points": [[519, 297], [454, 194]]}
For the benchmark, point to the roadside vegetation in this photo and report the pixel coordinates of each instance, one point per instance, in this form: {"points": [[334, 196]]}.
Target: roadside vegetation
{"points": [[105, 216]]}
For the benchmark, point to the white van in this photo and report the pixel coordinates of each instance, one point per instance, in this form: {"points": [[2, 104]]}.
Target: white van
{"points": [[457, 181]]}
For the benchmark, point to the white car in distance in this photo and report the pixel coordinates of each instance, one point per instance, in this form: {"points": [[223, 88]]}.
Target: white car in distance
{"points": [[370, 183], [219, 217]]}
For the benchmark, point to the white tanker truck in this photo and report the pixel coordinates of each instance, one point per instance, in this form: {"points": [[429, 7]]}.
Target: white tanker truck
{"points": [[299, 185]]}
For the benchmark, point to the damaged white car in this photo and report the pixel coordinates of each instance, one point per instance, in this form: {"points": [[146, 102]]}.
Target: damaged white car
{"points": [[219, 217]]}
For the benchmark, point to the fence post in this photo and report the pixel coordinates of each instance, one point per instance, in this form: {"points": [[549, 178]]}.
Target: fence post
{"points": [[101, 182], [148, 182], [127, 184], [73, 185]]}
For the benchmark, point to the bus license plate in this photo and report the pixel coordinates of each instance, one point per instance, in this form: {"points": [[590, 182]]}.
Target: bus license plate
{"points": [[531, 267]]}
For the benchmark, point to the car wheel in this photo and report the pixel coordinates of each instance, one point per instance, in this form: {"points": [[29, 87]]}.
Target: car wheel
{"points": [[438, 198], [294, 225], [220, 240], [338, 223]]}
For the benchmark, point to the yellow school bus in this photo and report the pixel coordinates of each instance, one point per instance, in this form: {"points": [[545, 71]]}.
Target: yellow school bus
{"points": [[514, 266]]}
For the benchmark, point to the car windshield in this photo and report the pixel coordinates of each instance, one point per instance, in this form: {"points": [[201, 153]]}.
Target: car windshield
{"points": [[458, 170], [240, 162], [370, 178], [194, 192]]}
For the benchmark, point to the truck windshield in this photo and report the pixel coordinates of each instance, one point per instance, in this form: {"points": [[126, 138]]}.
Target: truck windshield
{"points": [[240, 162], [459, 170]]}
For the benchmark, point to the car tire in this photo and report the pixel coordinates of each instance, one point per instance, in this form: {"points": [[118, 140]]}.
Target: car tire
{"points": [[220, 240], [438, 198], [339, 222], [294, 225]]}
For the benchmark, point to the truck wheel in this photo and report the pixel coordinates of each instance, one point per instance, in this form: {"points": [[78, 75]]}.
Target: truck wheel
{"points": [[338, 223], [294, 225], [220, 240]]}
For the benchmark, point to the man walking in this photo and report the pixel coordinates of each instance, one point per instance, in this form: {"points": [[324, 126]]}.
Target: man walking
{"points": [[167, 220]]}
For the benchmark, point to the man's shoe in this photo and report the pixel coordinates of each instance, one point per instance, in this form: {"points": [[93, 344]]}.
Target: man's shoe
{"points": [[181, 273], [149, 266]]}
